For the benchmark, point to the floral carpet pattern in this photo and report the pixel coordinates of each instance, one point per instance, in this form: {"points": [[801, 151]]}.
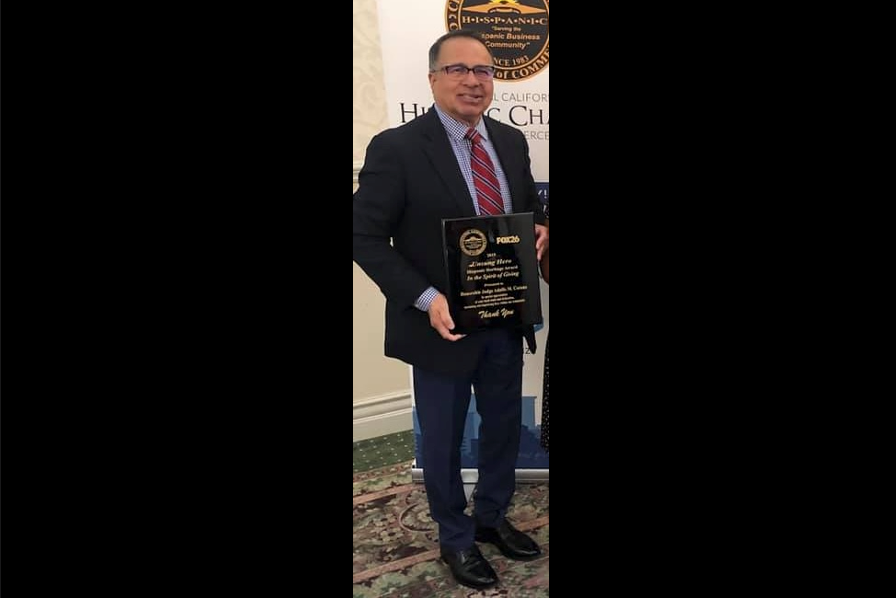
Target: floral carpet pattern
{"points": [[395, 543]]}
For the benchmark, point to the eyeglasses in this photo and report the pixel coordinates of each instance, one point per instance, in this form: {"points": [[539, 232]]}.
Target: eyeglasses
{"points": [[459, 71]]}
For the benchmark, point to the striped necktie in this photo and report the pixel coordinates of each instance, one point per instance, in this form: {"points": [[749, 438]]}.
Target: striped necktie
{"points": [[488, 189]]}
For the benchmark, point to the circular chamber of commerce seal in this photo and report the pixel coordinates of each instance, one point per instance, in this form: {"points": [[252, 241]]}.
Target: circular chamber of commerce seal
{"points": [[516, 31], [473, 242]]}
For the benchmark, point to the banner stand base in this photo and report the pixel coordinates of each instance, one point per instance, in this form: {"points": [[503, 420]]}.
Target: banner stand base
{"points": [[471, 476]]}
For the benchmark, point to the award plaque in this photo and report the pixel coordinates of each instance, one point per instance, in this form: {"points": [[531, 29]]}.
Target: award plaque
{"points": [[492, 272]]}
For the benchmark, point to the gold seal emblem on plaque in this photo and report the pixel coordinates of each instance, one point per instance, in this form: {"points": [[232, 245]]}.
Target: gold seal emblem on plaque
{"points": [[473, 242]]}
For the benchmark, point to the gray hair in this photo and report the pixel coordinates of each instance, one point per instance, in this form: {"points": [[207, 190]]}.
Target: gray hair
{"points": [[437, 46]]}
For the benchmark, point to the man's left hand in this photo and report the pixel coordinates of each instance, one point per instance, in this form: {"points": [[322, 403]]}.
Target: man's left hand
{"points": [[541, 240]]}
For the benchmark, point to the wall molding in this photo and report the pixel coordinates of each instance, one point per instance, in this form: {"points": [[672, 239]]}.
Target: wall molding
{"points": [[356, 168], [381, 415]]}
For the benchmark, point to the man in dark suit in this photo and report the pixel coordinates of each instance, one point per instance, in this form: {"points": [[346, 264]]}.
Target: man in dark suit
{"points": [[413, 176]]}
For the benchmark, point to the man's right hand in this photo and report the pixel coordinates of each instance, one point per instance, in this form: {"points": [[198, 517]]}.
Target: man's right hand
{"points": [[440, 318]]}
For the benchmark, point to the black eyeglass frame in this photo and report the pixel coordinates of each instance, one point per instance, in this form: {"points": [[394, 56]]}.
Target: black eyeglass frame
{"points": [[480, 71]]}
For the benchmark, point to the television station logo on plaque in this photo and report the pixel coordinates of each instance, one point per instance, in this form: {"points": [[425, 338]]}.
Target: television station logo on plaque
{"points": [[516, 31]]}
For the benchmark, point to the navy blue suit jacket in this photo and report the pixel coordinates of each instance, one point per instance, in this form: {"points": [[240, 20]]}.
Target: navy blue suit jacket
{"points": [[409, 182]]}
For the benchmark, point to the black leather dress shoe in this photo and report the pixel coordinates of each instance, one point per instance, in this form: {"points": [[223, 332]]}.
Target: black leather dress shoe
{"points": [[510, 541], [470, 568]]}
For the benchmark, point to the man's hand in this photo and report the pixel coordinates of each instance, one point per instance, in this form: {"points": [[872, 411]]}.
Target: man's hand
{"points": [[440, 318], [541, 240]]}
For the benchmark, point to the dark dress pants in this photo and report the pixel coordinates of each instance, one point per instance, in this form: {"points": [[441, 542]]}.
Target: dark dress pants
{"points": [[441, 403]]}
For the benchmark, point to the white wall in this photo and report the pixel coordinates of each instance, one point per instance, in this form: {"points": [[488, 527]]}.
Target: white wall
{"points": [[381, 395]]}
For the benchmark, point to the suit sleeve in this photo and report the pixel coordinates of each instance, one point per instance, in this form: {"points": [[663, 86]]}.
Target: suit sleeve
{"points": [[377, 212], [531, 201]]}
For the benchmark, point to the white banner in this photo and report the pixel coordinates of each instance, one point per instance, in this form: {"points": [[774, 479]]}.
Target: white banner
{"points": [[517, 34], [409, 27]]}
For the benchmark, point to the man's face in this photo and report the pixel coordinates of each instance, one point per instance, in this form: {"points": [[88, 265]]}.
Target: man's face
{"points": [[464, 98]]}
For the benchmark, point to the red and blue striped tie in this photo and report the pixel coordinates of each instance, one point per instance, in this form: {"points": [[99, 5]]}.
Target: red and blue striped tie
{"points": [[488, 189]]}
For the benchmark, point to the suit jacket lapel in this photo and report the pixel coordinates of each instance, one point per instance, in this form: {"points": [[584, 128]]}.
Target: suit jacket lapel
{"points": [[438, 149], [502, 144]]}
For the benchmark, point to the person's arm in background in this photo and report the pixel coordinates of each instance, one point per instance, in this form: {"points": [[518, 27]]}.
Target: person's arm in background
{"points": [[545, 256]]}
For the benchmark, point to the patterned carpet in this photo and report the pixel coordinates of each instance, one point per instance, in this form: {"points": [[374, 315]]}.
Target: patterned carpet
{"points": [[396, 550]]}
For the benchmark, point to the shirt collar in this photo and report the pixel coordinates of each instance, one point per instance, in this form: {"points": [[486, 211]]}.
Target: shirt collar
{"points": [[457, 129]]}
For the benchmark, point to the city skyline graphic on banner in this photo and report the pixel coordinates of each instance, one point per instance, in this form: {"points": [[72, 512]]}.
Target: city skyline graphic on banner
{"points": [[531, 454]]}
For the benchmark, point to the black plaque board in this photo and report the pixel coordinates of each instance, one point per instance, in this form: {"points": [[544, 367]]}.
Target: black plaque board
{"points": [[492, 272]]}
